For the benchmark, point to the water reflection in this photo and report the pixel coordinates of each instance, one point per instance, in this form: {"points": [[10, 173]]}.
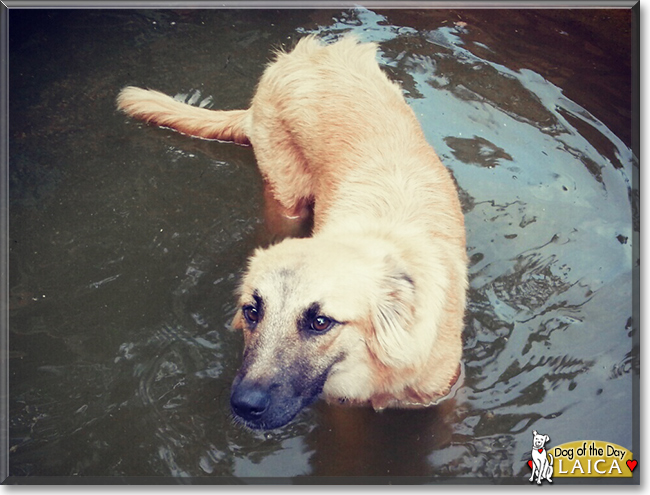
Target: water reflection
{"points": [[127, 243]]}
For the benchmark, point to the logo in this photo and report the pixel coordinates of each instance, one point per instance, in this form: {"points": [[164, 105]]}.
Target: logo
{"points": [[542, 462], [578, 459]]}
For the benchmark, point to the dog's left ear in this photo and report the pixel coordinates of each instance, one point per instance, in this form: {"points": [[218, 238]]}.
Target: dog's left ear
{"points": [[393, 314], [548, 439]]}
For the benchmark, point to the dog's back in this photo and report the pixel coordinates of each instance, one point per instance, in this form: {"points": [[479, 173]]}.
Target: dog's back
{"points": [[336, 102]]}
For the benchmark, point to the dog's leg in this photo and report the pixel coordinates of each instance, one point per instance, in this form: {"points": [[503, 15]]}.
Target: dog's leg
{"points": [[283, 165], [281, 222], [540, 471]]}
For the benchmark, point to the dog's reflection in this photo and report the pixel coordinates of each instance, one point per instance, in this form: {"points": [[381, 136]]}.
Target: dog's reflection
{"points": [[358, 441]]}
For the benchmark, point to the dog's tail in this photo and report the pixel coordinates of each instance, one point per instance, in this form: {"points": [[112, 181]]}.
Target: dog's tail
{"points": [[550, 460], [162, 110]]}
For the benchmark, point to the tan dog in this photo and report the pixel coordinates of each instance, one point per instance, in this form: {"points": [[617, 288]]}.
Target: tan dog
{"points": [[370, 308]]}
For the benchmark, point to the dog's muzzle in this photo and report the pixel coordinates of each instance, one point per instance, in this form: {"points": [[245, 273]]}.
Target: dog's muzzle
{"points": [[268, 406]]}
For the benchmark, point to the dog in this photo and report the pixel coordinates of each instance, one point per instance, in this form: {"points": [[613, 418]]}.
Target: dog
{"points": [[369, 309], [542, 462]]}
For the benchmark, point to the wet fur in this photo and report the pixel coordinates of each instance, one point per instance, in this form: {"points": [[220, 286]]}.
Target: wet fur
{"points": [[386, 261]]}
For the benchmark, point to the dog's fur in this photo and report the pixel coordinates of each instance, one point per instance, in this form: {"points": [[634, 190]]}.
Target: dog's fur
{"points": [[542, 461], [386, 263]]}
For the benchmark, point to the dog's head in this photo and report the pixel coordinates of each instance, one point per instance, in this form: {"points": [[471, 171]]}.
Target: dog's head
{"points": [[315, 314], [539, 440]]}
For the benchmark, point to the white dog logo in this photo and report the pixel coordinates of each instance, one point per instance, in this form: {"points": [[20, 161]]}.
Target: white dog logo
{"points": [[542, 462]]}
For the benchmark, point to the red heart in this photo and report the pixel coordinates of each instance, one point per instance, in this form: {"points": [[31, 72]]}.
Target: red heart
{"points": [[540, 450], [530, 464], [631, 464]]}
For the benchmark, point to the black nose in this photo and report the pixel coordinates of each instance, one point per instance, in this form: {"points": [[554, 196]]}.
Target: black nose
{"points": [[250, 401]]}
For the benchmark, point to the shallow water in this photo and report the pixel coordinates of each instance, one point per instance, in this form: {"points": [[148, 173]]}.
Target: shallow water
{"points": [[127, 242]]}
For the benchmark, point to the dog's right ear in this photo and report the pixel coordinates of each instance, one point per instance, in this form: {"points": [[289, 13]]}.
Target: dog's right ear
{"points": [[534, 432]]}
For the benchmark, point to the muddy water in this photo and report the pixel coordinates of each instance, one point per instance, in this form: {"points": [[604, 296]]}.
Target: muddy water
{"points": [[126, 243]]}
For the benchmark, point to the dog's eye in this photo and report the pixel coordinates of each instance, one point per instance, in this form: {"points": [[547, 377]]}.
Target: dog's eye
{"points": [[321, 324], [251, 314]]}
